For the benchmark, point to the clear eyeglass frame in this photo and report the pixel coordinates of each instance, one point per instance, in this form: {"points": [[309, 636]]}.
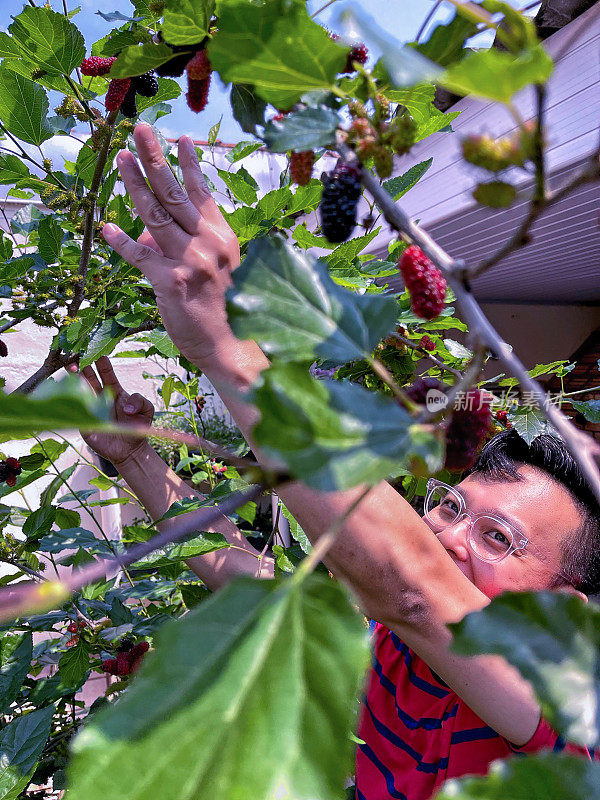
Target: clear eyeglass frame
{"points": [[517, 540]]}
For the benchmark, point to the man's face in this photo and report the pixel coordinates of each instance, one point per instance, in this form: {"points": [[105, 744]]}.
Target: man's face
{"points": [[541, 508]]}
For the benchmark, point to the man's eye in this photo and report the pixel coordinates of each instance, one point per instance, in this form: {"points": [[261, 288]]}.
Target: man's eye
{"points": [[498, 537], [450, 505]]}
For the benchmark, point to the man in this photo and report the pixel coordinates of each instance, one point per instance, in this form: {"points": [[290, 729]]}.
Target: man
{"points": [[429, 714]]}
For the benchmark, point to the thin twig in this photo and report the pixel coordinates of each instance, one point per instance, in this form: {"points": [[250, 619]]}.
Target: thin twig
{"points": [[470, 376], [26, 598], [583, 448], [437, 361], [589, 174], [318, 11], [427, 20]]}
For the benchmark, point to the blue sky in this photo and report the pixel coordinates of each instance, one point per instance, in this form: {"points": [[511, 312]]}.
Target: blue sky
{"points": [[400, 18]]}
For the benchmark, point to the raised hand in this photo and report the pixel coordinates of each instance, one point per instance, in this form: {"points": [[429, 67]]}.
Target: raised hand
{"points": [[128, 409], [187, 251]]}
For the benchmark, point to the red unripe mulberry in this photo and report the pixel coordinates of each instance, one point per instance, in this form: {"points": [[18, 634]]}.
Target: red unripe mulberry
{"points": [[117, 89], [467, 430], [358, 53], [197, 94], [123, 663], [424, 281], [427, 344], [198, 67], [109, 665], [97, 65], [72, 628], [301, 165]]}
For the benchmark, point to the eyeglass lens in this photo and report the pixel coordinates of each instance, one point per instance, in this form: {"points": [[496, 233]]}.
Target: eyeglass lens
{"points": [[488, 537]]}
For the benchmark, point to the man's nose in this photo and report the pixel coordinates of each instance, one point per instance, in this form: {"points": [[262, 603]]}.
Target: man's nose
{"points": [[454, 537]]}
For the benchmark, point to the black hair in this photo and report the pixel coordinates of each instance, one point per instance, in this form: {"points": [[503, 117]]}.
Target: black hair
{"points": [[500, 460]]}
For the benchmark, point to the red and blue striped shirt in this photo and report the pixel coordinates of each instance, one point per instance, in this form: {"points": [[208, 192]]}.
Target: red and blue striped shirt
{"points": [[417, 732]]}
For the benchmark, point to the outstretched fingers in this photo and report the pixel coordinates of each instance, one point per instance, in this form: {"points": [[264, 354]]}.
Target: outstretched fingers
{"points": [[145, 258], [195, 182]]}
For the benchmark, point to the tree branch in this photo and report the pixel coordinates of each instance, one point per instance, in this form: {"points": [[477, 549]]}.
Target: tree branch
{"points": [[583, 448], [54, 361]]}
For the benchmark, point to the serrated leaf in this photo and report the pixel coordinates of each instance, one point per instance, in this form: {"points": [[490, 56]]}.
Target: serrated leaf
{"points": [[551, 776], [241, 184], [187, 21], [48, 39], [16, 653], [589, 408], [553, 639], [51, 238], [162, 342], [104, 340], [419, 102], [296, 529], [21, 744], [74, 665], [273, 202], [400, 185], [307, 129], [208, 542], [338, 434], [139, 58], [72, 539], [40, 521], [54, 406], [23, 107], [497, 75], [241, 150], [12, 169], [286, 301], [276, 48], [456, 349], [446, 43], [243, 672], [530, 423]]}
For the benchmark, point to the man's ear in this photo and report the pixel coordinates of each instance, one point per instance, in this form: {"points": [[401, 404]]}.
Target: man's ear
{"points": [[568, 589]]}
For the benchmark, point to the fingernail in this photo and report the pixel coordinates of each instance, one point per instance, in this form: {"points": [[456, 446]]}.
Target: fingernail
{"points": [[109, 229], [129, 409]]}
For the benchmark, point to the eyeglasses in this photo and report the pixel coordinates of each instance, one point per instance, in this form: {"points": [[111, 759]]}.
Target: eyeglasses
{"points": [[490, 537]]}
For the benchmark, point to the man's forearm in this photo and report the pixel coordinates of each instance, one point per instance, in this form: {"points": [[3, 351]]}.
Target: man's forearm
{"points": [[386, 552], [158, 487]]}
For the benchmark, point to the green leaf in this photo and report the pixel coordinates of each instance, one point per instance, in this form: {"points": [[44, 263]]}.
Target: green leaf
{"points": [[51, 238], [530, 423], [161, 341], [238, 682], [50, 492], [12, 169], [167, 90], [21, 745], [74, 665], [419, 102], [338, 434], [498, 75], [286, 301], [16, 653], [551, 776], [241, 150], [187, 21], [103, 341], [553, 639], [48, 39], [495, 194], [119, 613], [71, 539], [275, 47], [198, 546], [296, 529], [307, 129], [40, 521], [139, 58], [54, 406], [241, 184], [248, 109], [400, 185], [23, 107], [589, 408], [446, 43], [246, 222], [273, 202]]}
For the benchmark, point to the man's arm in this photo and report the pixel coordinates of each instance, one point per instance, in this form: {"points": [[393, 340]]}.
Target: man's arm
{"points": [[385, 552], [158, 487]]}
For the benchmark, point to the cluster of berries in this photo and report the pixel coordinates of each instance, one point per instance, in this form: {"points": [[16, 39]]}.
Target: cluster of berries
{"points": [[427, 343], [378, 139], [494, 155], [3, 349], [121, 91], [192, 58], [10, 469], [218, 469], [341, 193], [358, 53], [70, 107], [128, 660], [424, 281], [467, 427], [75, 628]]}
